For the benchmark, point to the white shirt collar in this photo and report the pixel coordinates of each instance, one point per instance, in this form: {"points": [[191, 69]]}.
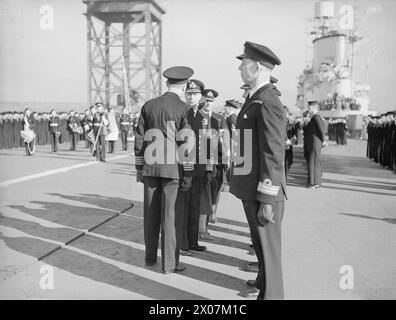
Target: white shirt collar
{"points": [[257, 87]]}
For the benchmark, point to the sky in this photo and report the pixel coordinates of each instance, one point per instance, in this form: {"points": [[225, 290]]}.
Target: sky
{"points": [[45, 66]]}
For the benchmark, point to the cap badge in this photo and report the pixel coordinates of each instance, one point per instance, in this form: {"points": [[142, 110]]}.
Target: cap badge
{"points": [[267, 182], [192, 85]]}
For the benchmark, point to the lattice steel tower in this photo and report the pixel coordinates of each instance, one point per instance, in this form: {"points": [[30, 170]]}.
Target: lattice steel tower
{"points": [[128, 30]]}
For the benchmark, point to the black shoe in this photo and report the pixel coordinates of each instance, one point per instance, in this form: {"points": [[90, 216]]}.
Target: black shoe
{"points": [[185, 253], [150, 264], [253, 263], [250, 268], [198, 248], [179, 268]]}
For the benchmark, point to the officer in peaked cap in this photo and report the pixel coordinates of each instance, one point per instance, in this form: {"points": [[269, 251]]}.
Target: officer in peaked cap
{"points": [[161, 177], [218, 144], [232, 110], [273, 80], [178, 75], [189, 201], [210, 94], [246, 89], [195, 86], [262, 186], [315, 141], [194, 93]]}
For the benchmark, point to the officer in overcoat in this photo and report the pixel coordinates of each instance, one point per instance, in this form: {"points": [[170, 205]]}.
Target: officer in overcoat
{"points": [[192, 202], [157, 134], [259, 179], [315, 140]]}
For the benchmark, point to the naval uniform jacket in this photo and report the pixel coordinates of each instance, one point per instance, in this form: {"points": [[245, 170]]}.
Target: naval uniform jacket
{"points": [[72, 121], [231, 122], [99, 121], [218, 122], [314, 132], [125, 122], [201, 166], [54, 124], [159, 113], [263, 114]]}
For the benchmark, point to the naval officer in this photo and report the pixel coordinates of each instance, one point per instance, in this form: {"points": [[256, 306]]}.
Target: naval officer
{"points": [[315, 141], [262, 188], [166, 115], [195, 199]]}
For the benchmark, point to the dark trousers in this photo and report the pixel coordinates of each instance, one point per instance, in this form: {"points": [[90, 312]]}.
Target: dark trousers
{"points": [[288, 160], [267, 245], [29, 145], [101, 148], [314, 162], [73, 140], [160, 216], [216, 184], [188, 211], [124, 136], [111, 146], [54, 142]]}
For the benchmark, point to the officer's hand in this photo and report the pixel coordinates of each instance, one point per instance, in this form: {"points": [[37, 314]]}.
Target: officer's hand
{"points": [[209, 176], [265, 214], [139, 176], [214, 172], [324, 144], [205, 122], [186, 184]]}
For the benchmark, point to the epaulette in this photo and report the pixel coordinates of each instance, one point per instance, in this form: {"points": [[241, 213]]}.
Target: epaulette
{"points": [[257, 101]]}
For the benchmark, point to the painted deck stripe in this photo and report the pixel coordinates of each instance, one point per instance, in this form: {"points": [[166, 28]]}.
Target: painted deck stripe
{"points": [[174, 280], [231, 227], [54, 171], [228, 236]]}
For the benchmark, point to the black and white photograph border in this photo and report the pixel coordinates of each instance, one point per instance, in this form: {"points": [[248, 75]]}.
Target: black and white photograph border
{"points": [[293, 197]]}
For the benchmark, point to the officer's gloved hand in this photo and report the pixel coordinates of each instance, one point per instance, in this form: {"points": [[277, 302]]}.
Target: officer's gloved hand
{"points": [[186, 184], [139, 176], [265, 214]]}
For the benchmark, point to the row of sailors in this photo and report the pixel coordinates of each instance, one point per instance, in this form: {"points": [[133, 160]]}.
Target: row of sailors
{"points": [[12, 124], [381, 139], [338, 130], [53, 128]]}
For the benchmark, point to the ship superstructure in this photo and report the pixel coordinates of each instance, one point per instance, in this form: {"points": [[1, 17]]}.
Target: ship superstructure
{"points": [[328, 79]]}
